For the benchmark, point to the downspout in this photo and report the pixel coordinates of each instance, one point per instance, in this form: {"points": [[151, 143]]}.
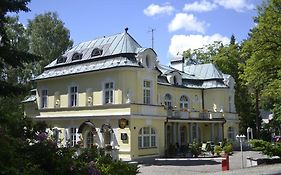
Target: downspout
{"points": [[182, 65], [202, 95]]}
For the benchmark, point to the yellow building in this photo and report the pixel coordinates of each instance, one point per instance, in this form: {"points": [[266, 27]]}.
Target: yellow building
{"points": [[113, 93]]}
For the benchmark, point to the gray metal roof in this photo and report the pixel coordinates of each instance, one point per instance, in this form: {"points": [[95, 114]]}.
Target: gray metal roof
{"points": [[110, 45], [204, 71], [202, 76], [88, 67]]}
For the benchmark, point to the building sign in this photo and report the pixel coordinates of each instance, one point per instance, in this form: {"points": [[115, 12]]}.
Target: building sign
{"points": [[123, 123], [124, 136]]}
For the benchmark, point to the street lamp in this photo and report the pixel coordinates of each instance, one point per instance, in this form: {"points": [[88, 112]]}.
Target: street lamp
{"points": [[241, 138]]}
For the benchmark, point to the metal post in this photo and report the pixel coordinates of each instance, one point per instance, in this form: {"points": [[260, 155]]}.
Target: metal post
{"points": [[241, 139]]}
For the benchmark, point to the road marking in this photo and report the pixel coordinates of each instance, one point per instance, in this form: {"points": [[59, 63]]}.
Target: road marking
{"points": [[201, 158]]}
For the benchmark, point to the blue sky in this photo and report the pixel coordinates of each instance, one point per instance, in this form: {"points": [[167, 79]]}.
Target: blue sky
{"points": [[178, 25]]}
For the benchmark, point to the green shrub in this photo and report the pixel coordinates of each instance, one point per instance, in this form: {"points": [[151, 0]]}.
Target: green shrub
{"points": [[267, 148], [217, 150], [195, 149], [228, 148]]}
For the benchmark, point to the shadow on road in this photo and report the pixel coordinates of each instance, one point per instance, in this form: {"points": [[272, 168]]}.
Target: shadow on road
{"points": [[177, 162]]}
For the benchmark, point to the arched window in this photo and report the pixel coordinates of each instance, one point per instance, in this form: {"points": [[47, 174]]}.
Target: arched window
{"points": [[231, 133], [76, 56], [90, 140], [147, 137], [168, 101], [183, 103], [96, 52], [61, 59]]}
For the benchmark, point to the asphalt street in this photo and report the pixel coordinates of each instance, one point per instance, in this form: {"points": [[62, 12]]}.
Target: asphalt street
{"points": [[201, 166]]}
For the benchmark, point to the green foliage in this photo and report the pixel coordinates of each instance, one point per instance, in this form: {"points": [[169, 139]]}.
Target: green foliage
{"points": [[267, 148], [217, 150], [263, 52], [195, 149], [109, 167], [48, 38], [228, 148]]}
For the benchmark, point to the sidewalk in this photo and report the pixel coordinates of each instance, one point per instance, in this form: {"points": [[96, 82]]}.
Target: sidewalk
{"points": [[183, 167]]}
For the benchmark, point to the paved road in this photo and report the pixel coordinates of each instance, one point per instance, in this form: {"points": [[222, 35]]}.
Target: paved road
{"points": [[185, 167]]}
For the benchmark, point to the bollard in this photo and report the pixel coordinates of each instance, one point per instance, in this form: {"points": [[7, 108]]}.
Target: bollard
{"points": [[225, 163]]}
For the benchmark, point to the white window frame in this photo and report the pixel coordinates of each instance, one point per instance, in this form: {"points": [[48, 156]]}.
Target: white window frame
{"points": [[150, 137], [147, 92], [184, 104], [73, 137], [87, 139], [167, 101], [110, 91], [75, 95], [44, 98]]}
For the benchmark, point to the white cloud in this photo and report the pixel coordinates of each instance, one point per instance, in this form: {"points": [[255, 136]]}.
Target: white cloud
{"points": [[237, 5], [154, 9], [188, 22], [180, 43], [202, 6]]}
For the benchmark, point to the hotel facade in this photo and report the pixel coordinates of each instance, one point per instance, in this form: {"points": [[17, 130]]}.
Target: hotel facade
{"points": [[111, 92]]}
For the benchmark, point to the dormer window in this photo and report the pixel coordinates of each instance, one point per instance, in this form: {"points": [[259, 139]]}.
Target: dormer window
{"points": [[61, 59], [147, 61], [77, 56], [96, 52]]}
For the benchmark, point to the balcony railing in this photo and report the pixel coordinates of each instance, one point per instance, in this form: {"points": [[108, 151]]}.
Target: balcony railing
{"points": [[193, 114]]}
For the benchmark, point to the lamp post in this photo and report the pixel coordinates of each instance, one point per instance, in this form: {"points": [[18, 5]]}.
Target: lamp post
{"points": [[241, 139]]}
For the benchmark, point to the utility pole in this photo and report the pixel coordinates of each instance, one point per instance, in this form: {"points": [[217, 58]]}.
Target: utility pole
{"points": [[152, 37]]}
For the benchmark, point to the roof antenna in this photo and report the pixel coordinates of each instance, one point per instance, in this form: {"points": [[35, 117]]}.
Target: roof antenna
{"points": [[126, 29], [152, 37]]}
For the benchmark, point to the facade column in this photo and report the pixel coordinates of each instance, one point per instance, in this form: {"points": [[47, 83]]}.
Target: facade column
{"points": [[174, 133], [197, 132], [220, 132], [212, 131], [190, 133], [179, 135]]}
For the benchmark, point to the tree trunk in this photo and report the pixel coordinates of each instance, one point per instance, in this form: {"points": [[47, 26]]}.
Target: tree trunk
{"points": [[257, 114]]}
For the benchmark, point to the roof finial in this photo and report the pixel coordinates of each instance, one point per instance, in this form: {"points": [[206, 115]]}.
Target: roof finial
{"points": [[126, 29]]}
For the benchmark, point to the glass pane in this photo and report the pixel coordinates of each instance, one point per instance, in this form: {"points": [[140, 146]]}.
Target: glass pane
{"points": [[146, 130], [146, 141], [153, 141], [140, 142]]}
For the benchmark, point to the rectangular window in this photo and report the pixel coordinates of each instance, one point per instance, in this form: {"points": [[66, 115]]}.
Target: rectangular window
{"points": [[44, 98], [147, 92], [229, 104], [73, 96], [108, 93], [73, 139]]}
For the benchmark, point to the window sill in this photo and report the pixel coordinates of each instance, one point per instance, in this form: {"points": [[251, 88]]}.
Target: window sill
{"points": [[154, 147]]}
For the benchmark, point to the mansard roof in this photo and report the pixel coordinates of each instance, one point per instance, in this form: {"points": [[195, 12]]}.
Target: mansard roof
{"points": [[101, 53], [202, 76], [107, 45]]}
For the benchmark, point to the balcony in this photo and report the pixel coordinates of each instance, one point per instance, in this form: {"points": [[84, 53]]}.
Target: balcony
{"points": [[193, 114]]}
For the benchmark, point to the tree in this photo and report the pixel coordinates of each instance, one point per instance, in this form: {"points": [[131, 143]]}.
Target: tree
{"points": [[263, 67], [48, 38], [10, 56]]}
